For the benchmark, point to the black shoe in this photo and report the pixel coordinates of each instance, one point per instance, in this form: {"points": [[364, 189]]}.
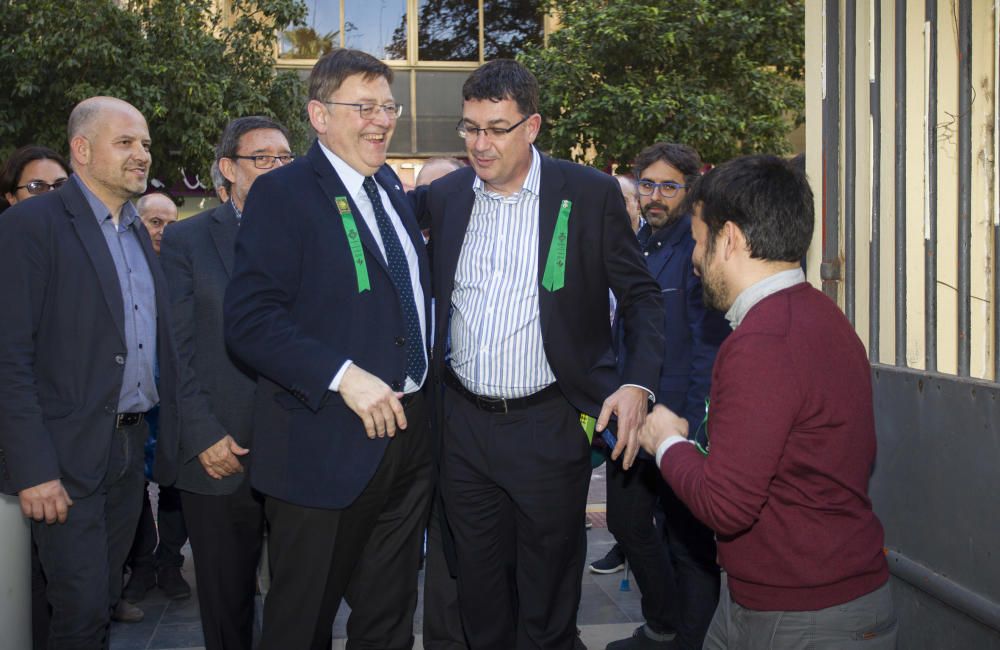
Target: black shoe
{"points": [[613, 562], [125, 612], [139, 582], [641, 641], [174, 586]]}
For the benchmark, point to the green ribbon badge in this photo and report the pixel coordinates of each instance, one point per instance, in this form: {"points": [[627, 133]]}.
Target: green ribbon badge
{"points": [[354, 240], [554, 277], [588, 422]]}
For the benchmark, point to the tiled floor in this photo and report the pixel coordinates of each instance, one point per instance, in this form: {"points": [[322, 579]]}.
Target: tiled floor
{"points": [[606, 612]]}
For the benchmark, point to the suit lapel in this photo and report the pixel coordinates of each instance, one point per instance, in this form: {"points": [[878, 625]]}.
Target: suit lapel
{"points": [[332, 187], [550, 196], [223, 229], [92, 239], [449, 236], [659, 257]]}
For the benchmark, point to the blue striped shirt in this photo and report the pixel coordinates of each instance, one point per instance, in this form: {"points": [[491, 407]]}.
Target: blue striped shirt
{"points": [[496, 333]]}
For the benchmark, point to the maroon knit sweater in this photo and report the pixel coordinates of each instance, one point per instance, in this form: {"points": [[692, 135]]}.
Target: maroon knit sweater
{"points": [[792, 443]]}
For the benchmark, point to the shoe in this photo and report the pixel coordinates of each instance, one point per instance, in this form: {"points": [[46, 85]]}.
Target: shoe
{"points": [[641, 641], [613, 562], [173, 584], [139, 582], [586, 523], [126, 612]]}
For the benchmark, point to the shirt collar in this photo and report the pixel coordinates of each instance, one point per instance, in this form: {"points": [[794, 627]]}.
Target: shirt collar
{"points": [[762, 289], [532, 182], [126, 217], [350, 177], [236, 211]]}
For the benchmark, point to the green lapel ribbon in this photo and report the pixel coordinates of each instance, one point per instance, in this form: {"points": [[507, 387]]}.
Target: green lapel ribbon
{"points": [[354, 240], [554, 277], [588, 422]]}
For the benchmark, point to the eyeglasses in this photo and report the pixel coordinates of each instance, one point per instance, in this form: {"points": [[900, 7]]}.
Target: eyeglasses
{"points": [[668, 189], [40, 187], [468, 132], [371, 111], [264, 161]]}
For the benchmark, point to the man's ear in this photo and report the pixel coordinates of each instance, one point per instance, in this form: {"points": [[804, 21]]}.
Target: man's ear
{"points": [[79, 149], [733, 240], [226, 169], [318, 116]]}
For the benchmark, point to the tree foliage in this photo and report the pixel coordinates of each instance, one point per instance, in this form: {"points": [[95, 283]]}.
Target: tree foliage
{"points": [[177, 61], [723, 76]]}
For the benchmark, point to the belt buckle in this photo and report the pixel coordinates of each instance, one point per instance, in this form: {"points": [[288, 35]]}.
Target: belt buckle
{"points": [[493, 404]]}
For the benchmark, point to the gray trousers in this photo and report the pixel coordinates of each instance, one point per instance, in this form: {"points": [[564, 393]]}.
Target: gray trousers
{"points": [[865, 623]]}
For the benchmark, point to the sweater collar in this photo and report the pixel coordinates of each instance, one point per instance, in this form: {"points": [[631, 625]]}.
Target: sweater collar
{"points": [[759, 290]]}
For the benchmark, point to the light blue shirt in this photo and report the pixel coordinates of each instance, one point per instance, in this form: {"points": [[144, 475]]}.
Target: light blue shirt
{"points": [[138, 393], [496, 333]]}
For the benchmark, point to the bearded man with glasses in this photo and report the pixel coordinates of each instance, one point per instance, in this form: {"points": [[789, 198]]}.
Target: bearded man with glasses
{"points": [[526, 248]]}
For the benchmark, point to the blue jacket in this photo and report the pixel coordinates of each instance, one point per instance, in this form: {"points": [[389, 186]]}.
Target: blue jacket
{"points": [[692, 333]]}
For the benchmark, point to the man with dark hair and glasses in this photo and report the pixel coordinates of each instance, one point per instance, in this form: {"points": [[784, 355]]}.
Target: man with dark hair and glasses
{"points": [[526, 248], [328, 303], [679, 586], [225, 518]]}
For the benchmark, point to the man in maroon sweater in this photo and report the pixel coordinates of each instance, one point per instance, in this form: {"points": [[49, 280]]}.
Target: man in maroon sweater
{"points": [[784, 480]]}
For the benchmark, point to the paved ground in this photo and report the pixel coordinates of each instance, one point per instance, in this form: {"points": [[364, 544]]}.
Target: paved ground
{"points": [[606, 612]]}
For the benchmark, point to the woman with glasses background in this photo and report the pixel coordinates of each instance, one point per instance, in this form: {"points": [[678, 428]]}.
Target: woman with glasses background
{"points": [[31, 170]]}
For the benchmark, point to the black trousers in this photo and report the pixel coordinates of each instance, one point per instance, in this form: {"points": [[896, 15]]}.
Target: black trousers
{"points": [[82, 559], [158, 543], [515, 492], [442, 618], [367, 553], [227, 533], [675, 570]]}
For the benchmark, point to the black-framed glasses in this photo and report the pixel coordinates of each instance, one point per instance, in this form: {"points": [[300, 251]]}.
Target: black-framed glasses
{"points": [[370, 111], [41, 187], [469, 132], [264, 161], [668, 189]]}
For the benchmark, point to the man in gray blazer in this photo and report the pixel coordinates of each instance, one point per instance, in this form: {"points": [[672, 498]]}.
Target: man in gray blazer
{"points": [[224, 516]]}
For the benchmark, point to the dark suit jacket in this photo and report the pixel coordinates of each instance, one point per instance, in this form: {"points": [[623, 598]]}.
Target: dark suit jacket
{"points": [[693, 333], [62, 347], [197, 259], [294, 314], [602, 252]]}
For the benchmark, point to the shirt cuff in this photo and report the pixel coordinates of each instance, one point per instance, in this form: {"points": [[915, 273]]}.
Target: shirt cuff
{"points": [[337, 378], [667, 443], [652, 396]]}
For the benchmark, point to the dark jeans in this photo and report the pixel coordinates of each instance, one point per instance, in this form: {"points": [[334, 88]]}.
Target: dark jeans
{"points": [[442, 619], [82, 559], [146, 553], [675, 569]]}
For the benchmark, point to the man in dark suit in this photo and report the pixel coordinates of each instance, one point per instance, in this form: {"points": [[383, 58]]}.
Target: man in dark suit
{"points": [[526, 248], [83, 326], [679, 588], [225, 517], [328, 303]]}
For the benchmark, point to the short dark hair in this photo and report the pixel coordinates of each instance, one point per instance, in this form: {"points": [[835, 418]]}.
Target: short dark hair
{"points": [[236, 129], [18, 160], [339, 64], [502, 79], [767, 197], [679, 156]]}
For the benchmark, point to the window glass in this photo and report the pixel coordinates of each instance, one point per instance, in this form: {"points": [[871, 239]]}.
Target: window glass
{"points": [[439, 99], [401, 143], [511, 25], [319, 35], [448, 30], [377, 27]]}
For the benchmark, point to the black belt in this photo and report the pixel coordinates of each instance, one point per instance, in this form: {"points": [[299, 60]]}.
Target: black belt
{"points": [[123, 420], [499, 404]]}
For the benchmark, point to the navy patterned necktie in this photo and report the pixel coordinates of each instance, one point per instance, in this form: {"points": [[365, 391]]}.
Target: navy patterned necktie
{"points": [[399, 271]]}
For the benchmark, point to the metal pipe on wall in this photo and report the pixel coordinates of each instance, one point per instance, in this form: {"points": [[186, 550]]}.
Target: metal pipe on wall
{"points": [[996, 196], [964, 183], [850, 156], [830, 268], [899, 64], [15, 575], [930, 186], [875, 138]]}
